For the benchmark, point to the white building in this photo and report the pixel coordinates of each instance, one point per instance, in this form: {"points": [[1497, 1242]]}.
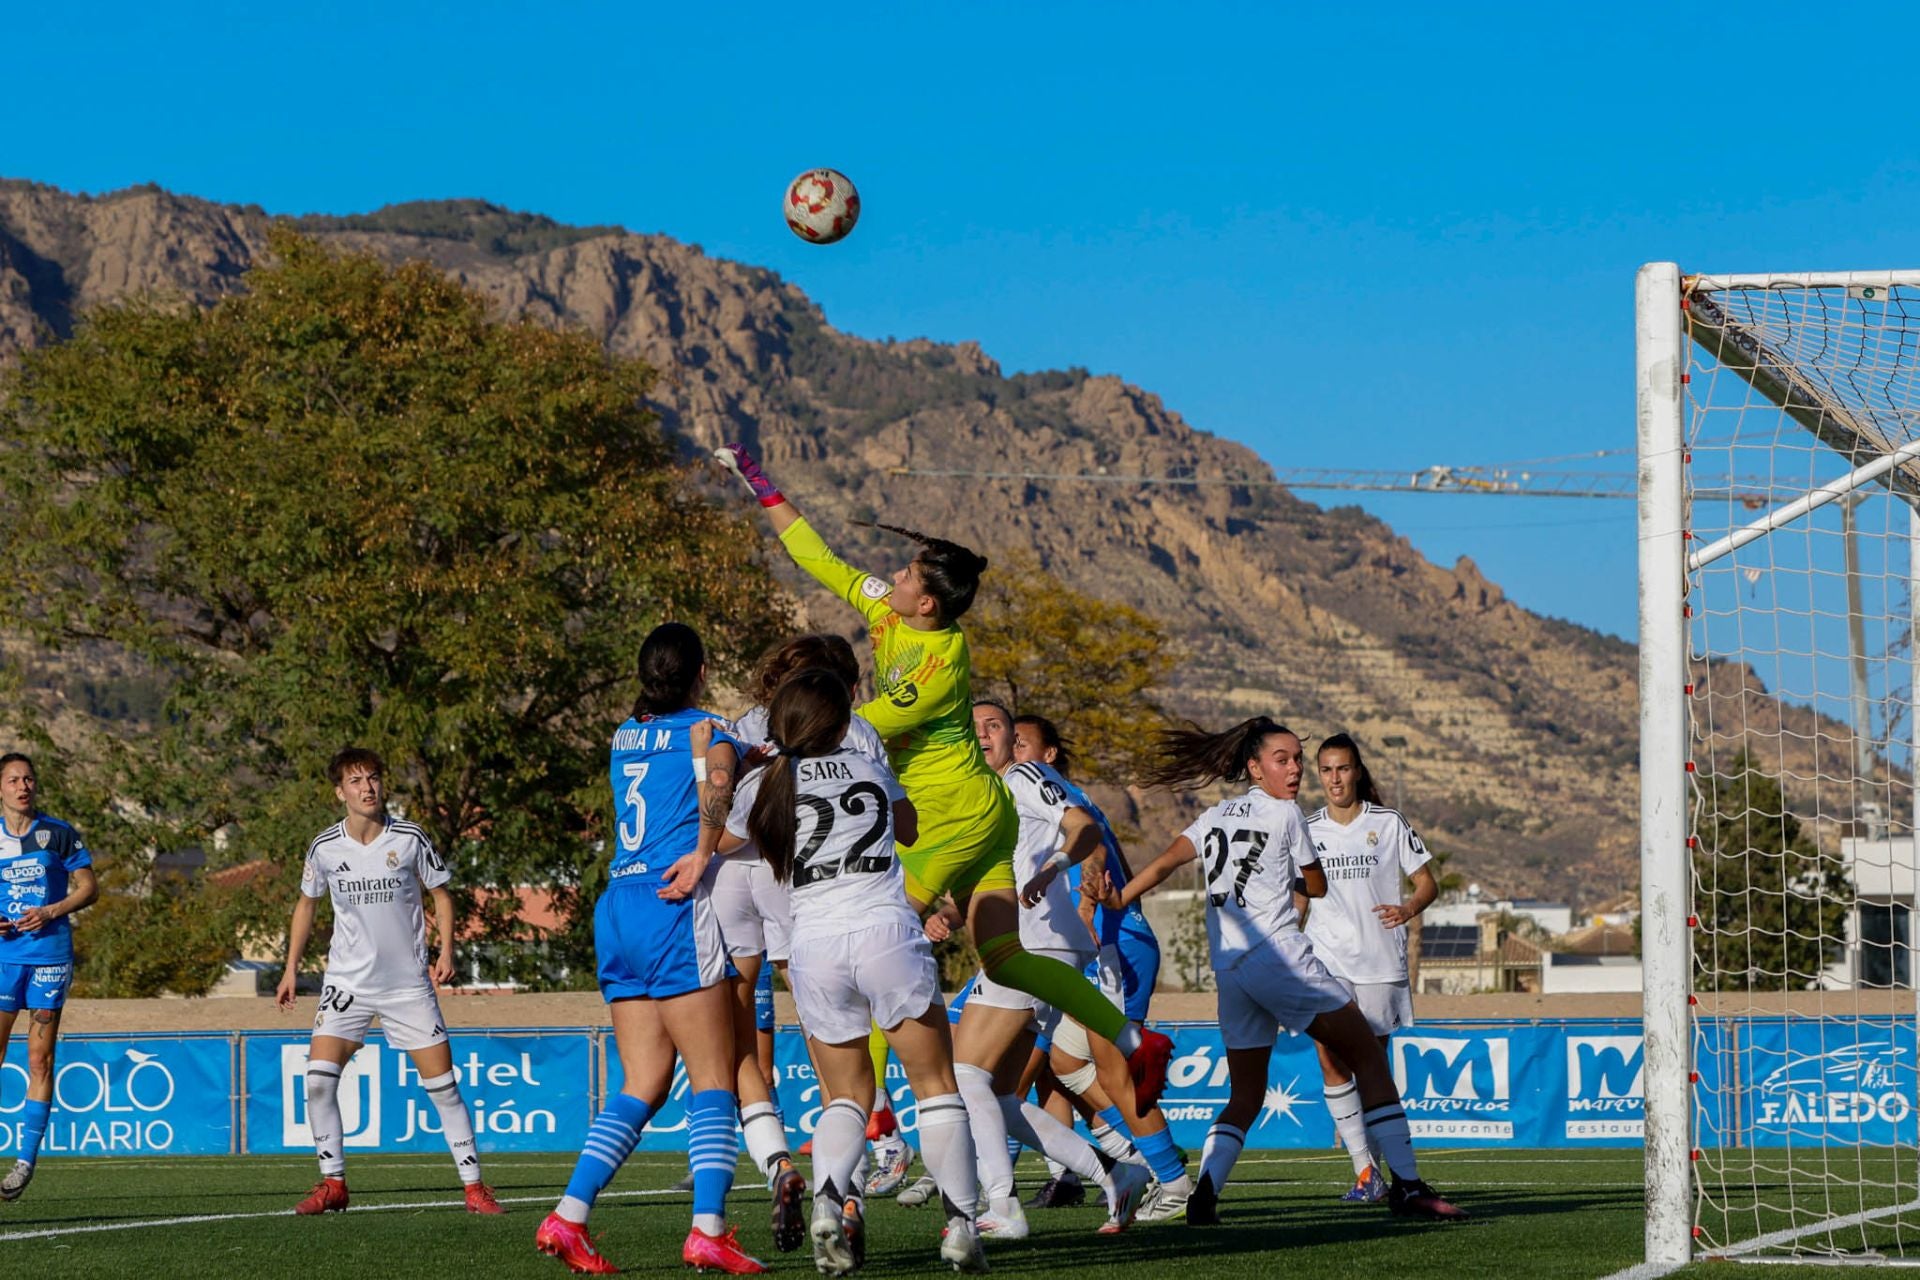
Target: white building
{"points": [[1880, 937]]}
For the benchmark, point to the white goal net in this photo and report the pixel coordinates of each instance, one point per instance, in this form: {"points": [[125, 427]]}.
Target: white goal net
{"points": [[1780, 474]]}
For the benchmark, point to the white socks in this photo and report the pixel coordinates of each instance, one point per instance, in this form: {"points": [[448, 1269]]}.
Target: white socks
{"points": [[1343, 1103], [946, 1148], [1387, 1128], [989, 1130], [1041, 1132], [766, 1136], [839, 1140], [456, 1125], [1218, 1155], [323, 1117]]}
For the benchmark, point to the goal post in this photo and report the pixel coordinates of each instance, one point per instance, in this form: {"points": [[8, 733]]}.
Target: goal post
{"points": [[1778, 422]]}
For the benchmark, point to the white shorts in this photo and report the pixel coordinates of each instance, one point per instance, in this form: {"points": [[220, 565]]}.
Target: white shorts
{"points": [[844, 984], [1045, 1017], [1283, 985], [1069, 1036], [410, 1020], [754, 909], [1387, 1006]]}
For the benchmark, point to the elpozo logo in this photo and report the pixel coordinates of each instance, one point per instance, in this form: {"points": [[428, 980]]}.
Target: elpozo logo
{"points": [[1606, 1086], [1856, 1084], [1455, 1086]]}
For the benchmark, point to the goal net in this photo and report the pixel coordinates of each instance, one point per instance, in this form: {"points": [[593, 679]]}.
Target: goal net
{"points": [[1780, 471]]}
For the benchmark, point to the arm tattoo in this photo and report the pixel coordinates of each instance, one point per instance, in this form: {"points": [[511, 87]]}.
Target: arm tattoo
{"points": [[718, 804]]}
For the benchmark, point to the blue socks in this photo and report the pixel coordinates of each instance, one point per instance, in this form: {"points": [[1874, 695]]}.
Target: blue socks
{"points": [[1158, 1151], [713, 1147], [614, 1135], [33, 1127]]}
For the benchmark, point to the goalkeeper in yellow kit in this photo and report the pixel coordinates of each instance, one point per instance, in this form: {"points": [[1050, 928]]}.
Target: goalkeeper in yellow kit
{"points": [[924, 709]]}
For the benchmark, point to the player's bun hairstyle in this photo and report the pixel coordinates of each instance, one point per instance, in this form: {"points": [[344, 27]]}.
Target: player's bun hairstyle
{"points": [[808, 716], [670, 660], [344, 759], [1364, 785], [828, 652], [950, 571], [1191, 757], [1050, 738]]}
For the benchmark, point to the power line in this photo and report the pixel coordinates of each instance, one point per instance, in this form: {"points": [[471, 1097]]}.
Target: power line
{"points": [[1507, 481]]}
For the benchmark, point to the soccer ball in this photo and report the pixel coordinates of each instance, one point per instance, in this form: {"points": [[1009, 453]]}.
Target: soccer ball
{"points": [[822, 206]]}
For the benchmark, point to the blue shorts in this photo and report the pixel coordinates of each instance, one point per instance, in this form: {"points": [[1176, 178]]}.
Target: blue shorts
{"points": [[763, 997], [1139, 971], [960, 1001], [653, 949], [34, 986]]}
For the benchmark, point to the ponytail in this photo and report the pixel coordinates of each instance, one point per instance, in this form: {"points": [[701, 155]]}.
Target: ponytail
{"points": [[950, 572], [1191, 757], [808, 716]]}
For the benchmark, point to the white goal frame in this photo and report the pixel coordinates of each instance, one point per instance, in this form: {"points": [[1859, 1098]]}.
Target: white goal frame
{"points": [[1667, 554]]}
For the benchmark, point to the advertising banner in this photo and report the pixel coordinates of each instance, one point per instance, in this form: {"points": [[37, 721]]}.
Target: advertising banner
{"points": [[128, 1096], [527, 1091]]}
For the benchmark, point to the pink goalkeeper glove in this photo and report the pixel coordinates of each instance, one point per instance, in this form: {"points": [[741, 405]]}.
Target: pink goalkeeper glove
{"points": [[741, 463]]}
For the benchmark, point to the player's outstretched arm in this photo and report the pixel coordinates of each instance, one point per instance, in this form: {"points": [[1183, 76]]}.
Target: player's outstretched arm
{"points": [[809, 550], [297, 935], [442, 970], [1177, 855]]}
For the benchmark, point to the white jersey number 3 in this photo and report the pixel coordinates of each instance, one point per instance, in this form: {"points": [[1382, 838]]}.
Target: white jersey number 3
{"points": [[630, 837]]}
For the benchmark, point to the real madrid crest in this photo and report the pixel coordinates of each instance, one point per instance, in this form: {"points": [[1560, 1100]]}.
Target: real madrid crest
{"points": [[393, 859], [1373, 838]]}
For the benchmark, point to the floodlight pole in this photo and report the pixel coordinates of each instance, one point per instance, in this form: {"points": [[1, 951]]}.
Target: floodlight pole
{"points": [[1660, 362]]}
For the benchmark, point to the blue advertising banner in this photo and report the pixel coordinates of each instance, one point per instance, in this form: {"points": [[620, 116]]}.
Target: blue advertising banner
{"points": [[527, 1092], [1815, 1082], [128, 1095]]}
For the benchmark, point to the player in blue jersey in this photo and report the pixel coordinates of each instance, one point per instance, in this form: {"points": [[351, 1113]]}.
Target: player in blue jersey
{"points": [[662, 962], [46, 874]]}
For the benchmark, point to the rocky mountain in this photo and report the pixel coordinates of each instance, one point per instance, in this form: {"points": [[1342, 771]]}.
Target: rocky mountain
{"points": [[1519, 730]]}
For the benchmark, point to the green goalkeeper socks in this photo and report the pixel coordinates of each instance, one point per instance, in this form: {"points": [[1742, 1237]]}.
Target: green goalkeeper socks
{"points": [[1060, 985]]}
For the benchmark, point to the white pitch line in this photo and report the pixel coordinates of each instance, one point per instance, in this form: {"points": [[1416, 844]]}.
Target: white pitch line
{"points": [[1790, 1234], [191, 1219]]}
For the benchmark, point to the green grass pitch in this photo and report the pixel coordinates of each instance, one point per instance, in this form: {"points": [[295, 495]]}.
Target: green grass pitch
{"points": [[1537, 1214]]}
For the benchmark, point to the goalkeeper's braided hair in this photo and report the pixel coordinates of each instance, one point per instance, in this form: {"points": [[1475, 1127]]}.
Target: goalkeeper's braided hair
{"points": [[950, 571]]}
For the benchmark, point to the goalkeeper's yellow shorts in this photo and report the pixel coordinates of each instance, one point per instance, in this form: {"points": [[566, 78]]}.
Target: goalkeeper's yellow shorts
{"points": [[966, 840]]}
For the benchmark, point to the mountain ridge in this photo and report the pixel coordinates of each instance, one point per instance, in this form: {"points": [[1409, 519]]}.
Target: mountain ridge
{"points": [[1520, 730]]}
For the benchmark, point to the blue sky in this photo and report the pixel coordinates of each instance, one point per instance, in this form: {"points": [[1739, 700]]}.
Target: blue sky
{"points": [[1392, 238]]}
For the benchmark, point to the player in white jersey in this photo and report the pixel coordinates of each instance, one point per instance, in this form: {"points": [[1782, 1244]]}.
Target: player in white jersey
{"points": [[1000, 1024], [1359, 930], [374, 867], [756, 923], [826, 819], [1254, 852]]}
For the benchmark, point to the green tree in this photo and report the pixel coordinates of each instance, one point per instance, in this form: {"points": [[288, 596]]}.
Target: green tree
{"points": [[1089, 665], [1771, 906], [350, 505]]}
